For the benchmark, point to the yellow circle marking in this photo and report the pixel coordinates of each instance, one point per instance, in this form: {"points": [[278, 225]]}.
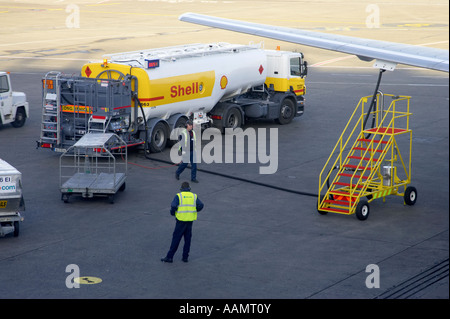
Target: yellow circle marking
{"points": [[87, 280]]}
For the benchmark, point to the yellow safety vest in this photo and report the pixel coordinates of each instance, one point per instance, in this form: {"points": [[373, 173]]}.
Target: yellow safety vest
{"points": [[187, 136], [187, 207]]}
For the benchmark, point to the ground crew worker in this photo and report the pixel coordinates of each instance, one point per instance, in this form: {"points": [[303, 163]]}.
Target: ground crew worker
{"points": [[187, 147], [184, 207]]}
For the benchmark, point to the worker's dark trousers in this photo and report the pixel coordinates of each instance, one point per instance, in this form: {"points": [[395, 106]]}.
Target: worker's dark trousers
{"points": [[181, 229], [183, 165]]}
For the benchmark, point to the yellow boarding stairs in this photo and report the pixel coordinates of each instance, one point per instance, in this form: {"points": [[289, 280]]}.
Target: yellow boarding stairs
{"points": [[372, 166]]}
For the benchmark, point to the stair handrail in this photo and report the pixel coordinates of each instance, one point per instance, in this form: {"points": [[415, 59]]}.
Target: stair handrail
{"points": [[360, 104]]}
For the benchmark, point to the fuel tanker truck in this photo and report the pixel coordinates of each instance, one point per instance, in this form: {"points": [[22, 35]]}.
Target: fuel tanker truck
{"points": [[143, 96]]}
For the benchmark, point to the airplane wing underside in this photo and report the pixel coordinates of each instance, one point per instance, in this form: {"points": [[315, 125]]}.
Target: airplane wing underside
{"points": [[365, 49]]}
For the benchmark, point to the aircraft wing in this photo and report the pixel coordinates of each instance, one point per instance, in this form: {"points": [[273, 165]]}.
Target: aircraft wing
{"points": [[365, 49]]}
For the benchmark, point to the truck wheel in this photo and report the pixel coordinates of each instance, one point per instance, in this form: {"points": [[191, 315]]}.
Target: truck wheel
{"points": [[410, 196], [287, 112], [233, 119], [16, 229], [362, 210], [20, 118], [158, 138]]}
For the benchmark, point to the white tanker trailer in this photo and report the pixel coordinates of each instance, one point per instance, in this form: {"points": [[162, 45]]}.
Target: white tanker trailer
{"points": [[144, 95]]}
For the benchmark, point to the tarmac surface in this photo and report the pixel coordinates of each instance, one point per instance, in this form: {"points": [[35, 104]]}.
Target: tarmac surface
{"points": [[250, 241]]}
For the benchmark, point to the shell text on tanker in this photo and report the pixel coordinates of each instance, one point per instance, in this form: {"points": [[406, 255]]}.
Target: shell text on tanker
{"points": [[178, 90]]}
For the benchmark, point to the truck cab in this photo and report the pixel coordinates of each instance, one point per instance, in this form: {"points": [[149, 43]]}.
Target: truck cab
{"points": [[13, 105], [286, 71]]}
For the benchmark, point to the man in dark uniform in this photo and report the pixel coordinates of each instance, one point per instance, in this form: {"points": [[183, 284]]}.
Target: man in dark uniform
{"points": [[184, 207]]}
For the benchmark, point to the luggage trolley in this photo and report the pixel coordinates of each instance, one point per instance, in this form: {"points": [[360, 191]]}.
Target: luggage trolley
{"points": [[11, 199], [95, 165]]}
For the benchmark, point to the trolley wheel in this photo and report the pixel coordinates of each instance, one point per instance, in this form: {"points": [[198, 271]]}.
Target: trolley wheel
{"points": [[16, 228], [111, 198], [65, 198], [122, 187], [410, 196], [362, 210]]}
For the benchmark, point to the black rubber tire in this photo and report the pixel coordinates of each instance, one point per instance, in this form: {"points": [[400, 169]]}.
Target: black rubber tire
{"points": [[362, 210], [287, 112], [410, 196], [20, 118], [158, 138], [233, 118], [16, 229]]}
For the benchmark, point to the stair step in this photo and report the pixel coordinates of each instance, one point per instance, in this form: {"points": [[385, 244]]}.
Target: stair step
{"points": [[343, 193], [347, 184], [367, 149], [356, 167], [369, 140], [338, 202], [365, 158], [335, 210], [385, 130], [355, 176]]}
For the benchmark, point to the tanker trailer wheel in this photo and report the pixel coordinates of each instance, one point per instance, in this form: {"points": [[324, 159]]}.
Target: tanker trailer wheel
{"points": [[158, 138], [287, 112], [233, 118], [410, 196], [362, 210], [180, 123]]}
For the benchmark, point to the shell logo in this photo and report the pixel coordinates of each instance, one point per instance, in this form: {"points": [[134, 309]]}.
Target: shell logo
{"points": [[223, 82]]}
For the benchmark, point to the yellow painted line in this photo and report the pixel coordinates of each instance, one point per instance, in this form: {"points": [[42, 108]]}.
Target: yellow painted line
{"points": [[87, 280], [102, 4], [415, 25], [3, 11]]}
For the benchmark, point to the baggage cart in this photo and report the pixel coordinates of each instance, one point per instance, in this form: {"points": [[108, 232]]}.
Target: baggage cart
{"points": [[95, 165], [11, 199]]}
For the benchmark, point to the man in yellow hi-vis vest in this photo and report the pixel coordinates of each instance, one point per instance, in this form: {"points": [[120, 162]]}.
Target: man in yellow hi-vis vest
{"points": [[187, 147], [184, 207]]}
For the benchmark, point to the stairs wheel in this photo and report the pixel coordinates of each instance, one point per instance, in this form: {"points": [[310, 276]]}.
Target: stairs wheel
{"points": [[362, 210], [320, 211], [410, 196]]}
